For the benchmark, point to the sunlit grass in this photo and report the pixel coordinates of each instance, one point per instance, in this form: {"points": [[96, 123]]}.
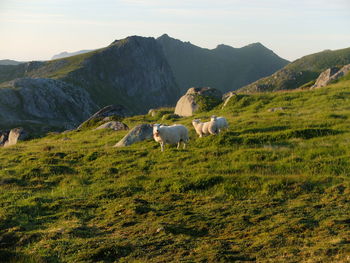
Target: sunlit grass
{"points": [[275, 186]]}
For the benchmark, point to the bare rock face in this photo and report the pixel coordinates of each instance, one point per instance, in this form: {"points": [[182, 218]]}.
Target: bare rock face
{"points": [[139, 133], [43, 101], [325, 77], [14, 136], [191, 101], [3, 137], [329, 75], [342, 72], [108, 111], [227, 97], [113, 125]]}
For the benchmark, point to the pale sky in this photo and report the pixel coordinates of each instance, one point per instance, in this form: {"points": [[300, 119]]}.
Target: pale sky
{"points": [[39, 29]]}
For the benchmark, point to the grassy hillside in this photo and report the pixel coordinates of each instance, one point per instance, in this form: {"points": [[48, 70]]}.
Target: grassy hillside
{"points": [[274, 187], [300, 72]]}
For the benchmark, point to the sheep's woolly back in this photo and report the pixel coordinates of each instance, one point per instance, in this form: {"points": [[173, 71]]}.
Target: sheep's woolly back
{"points": [[221, 123], [170, 134], [212, 127], [205, 127], [198, 126]]}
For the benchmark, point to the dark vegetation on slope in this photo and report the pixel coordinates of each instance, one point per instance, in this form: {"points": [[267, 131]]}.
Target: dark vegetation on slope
{"points": [[224, 68], [274, 187], [301, 72]]}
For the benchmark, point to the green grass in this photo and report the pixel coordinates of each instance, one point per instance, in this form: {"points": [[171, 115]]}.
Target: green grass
{"points": [[274, 187]]}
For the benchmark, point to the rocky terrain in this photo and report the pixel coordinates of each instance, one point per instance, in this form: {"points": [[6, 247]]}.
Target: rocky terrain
{"points": [[43, 102], [301, 73], [132, 72]]}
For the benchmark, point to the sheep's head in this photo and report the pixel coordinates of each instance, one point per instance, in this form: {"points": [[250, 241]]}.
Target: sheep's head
{"points": [[156, 129], [196, 121], [213, 118]]}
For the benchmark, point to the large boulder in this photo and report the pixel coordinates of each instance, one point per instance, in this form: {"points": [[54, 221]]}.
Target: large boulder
{"points": [[139, 133], [14, 136], [227, 97], [197, 99], [342, 72], [44, 103], [114, 125], [108, 111], [3, 137], [331, 74]]}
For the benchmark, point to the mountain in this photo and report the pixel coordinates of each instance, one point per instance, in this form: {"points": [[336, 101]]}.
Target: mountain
{"points": [[66, 54], [137, 72], [224, 68], [303, 71], [9, 62], [132, 72]]}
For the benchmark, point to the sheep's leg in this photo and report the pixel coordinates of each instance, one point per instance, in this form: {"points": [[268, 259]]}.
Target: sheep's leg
{"points": [[178, 144], [184, 143], [162, 147]]}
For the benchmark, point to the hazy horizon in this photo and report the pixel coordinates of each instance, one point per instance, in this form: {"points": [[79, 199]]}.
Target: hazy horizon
{"points": [[43, 28]]}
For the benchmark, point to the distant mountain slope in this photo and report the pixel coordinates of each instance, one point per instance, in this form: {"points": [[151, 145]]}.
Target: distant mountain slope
{"points": [[301, 71], [132, 72], [66, 54], [225, 68], [9, 62]]}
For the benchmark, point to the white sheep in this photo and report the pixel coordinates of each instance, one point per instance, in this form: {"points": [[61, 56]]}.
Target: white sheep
{"points": [[218, 123], [174, 134], [203, 128]]}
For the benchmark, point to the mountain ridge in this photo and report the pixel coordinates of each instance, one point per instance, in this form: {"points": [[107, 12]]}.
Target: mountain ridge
{"points": [[300, 72], [132, 72], [224, 67]]}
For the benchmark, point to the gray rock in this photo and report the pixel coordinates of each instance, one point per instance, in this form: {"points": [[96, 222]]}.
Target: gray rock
{"points": [[114, 125], [152, 112], [139, 133], [45, 101], [108, 111], [342, 72], [227, 97], [15, 135], [187, 105], [329, 75], [325, 77], [276, 109], [3, 137]]}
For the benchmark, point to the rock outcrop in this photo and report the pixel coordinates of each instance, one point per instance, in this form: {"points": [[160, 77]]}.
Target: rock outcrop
{"points": [[139, 133], [11, 138], [329, 75], [132, 72], [197, 99], [118, 111], [113, 125], [3, 137], [227, 97], [300, 72], [43, 102]]}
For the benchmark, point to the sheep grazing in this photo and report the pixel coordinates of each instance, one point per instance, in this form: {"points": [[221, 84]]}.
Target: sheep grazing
{"points": [[203, 128], [174, 134], [218, 123]]}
